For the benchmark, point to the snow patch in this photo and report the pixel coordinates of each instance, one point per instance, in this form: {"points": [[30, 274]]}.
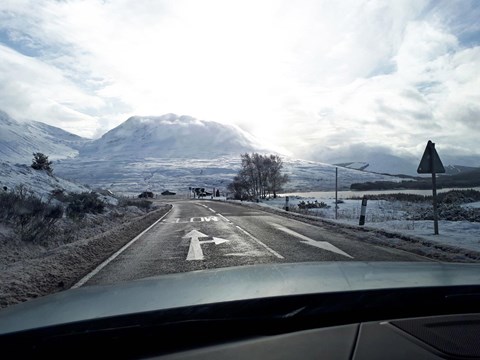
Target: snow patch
{"points": [[37, 181], [390, 217]]}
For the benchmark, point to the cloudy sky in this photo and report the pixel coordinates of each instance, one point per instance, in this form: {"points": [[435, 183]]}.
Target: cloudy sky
{"points": [[326, 80]]}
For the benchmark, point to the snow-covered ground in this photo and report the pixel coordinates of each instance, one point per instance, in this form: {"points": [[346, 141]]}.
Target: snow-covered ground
{"points": [[474, 205], [131, 176], [391, 216], [463, 234], [37, 181]]}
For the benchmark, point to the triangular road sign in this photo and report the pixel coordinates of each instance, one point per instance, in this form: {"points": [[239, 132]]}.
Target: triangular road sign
{"points": [[430, 159]]}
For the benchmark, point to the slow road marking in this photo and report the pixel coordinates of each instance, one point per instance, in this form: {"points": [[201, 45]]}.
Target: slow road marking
{"points": [[320, 244], [192, 219]]}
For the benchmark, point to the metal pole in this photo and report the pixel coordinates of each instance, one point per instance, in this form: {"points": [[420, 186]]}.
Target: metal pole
{"points": [[435, 210], [363, 212], [434, 191], [336, 192]]}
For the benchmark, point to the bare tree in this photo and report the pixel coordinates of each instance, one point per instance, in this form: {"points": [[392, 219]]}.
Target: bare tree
{"points": [[259, 177], [275, 176]]}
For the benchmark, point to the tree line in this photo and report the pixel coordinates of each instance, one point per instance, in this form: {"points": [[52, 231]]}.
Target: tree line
{"points": [[260, 176]]}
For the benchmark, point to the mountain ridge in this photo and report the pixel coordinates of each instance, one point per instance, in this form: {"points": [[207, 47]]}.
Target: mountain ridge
{"points": [[19, 140], [173, 136]]}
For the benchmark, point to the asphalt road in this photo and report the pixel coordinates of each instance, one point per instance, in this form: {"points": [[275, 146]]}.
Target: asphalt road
{"points": [[204, 234]]}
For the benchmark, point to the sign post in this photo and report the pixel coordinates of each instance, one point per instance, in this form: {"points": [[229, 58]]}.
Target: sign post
{"points": [[431, 164], [363, 211], [336, 192]]}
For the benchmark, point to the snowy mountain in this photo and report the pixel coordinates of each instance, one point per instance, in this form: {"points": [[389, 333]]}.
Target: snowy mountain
{"points": [[458, 169], [170, 136], [19, 140], [171, 152], [153, 153], [354, 165]]}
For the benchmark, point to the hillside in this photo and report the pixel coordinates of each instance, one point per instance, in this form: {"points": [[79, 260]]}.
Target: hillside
{"points": [[158, 174], [461, 180], [39, 182], [18, 140]]}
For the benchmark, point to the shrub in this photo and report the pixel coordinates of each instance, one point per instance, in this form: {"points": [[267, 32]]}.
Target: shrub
{"points": [[32, 219], [141, 204], [83, 203], [40, 162], [312, 205]]}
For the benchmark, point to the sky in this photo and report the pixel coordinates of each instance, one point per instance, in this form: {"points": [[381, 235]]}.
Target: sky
{"points": [[323, 80]]}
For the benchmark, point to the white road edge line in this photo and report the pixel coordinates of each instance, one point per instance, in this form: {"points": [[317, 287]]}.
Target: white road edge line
{"points": [[105, 263], [213, 211], [260, 243], [223, 217]]}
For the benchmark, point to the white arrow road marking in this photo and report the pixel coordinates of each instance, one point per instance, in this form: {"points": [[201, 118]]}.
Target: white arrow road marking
{"points": [[216, 240], [320, 244], [195, 250]]}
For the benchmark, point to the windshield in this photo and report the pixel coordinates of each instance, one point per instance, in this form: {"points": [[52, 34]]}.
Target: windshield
{"points": [[149, 138]]}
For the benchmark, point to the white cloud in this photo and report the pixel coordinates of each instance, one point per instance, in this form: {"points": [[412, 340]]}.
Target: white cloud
{"points": [[303, 75], [32, 89]]}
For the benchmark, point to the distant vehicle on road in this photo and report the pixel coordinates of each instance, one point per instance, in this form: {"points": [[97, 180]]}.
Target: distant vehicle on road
{"points": [[146, 194], [200, 192], [166, 192]]}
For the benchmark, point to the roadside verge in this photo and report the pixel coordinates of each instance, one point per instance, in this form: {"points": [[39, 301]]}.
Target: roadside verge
{"points": [[63, 266]]}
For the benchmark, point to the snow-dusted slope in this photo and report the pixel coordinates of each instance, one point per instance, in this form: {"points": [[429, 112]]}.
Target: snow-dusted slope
{"points": [[158, 174], [385, 164], [19, 140], [354, 165], [36, 181], [170, 136]]}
